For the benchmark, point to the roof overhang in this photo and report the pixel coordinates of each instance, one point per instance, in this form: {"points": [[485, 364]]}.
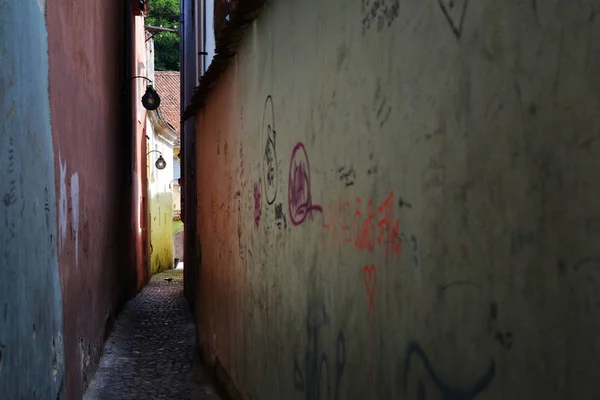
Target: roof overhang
{"points": [[229, 41], [162, 128]]}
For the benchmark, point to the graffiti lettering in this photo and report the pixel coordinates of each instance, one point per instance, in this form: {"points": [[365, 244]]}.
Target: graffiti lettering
{"points": [[257, 203], [364, 239], [455, 14], [389, 232], [447, 392], [347, 175], [270, 174], [403, 203], [370, 278], [280, 216], [381, 12], [374, 168], [310, 375], [299, 190], [366, 231]]}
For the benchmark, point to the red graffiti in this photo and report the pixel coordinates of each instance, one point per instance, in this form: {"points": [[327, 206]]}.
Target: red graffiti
{"points": [[389, 231], [299, 195], [332, 215], [366, 234], [370, 278], [257, 202], [367, 230], [347, 230]]}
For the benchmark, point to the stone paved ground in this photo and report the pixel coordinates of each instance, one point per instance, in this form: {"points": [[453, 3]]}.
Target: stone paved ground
{"points": [[151, 352]]}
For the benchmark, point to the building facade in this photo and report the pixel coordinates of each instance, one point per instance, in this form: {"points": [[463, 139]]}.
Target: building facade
{"points": [[72, 138], [162, 136], [168, 84]]}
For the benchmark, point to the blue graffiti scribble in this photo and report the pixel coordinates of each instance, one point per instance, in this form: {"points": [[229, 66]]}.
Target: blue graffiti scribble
{"points": [[448, 393]]}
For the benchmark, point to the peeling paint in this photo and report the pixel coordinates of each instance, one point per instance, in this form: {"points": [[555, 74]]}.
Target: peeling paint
{"points": [[75, 213], [30, 293], [63, 211], [62, 208], [54, 361], [41, 5]]}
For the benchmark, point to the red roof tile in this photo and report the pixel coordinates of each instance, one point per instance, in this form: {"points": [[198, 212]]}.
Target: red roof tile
{"points": [[167, 86]]}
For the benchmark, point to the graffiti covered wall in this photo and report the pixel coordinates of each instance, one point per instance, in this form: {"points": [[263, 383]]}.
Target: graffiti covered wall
{"points": [[394, 201]]}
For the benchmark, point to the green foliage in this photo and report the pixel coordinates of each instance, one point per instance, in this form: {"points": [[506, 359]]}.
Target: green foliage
{"points": [[177, 226], [165, 13]]}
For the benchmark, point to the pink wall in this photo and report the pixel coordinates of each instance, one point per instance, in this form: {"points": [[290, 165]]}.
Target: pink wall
{"points": [[95, 229], [220, 208]]}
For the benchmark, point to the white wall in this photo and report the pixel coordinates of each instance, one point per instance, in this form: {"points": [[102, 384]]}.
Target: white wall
{"points": [[159, 179]]}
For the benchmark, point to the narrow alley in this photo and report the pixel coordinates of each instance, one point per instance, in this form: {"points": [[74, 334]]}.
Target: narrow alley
{"points": [[299, 199], [150, 352]]}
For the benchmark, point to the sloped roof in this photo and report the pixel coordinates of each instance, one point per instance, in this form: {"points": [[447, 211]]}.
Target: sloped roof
{"points": [[167, 86]]}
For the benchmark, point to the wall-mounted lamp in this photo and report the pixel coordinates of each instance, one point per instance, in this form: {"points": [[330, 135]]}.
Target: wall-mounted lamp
{"points": [[160, 163], [174, 181], [150, 99]]}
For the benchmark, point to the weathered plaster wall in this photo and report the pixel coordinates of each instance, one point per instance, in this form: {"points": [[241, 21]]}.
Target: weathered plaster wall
{"points": [[399, 200], [161, 232], [161, 203], [140, 182], [31, 315], [89, 135], [176, 190]]}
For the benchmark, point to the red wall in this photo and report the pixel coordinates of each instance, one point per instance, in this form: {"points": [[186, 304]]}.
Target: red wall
{"points": [[95, 202]]}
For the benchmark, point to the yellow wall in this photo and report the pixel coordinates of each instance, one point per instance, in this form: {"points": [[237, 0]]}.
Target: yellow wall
{"points": [[161, 232]]}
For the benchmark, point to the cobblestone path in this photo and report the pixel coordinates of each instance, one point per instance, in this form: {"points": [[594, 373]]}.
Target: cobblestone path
{"points": [[151, 352]]}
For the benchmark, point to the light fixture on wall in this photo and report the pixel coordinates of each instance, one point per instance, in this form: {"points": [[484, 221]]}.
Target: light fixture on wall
{"points": [[177, 183], [150, 99], [160, 163]]}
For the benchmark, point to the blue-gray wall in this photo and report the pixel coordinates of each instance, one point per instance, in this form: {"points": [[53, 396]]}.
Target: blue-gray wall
{"points": [[31, 345]]}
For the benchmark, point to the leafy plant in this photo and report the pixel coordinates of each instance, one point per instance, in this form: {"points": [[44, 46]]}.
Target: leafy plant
{"points": [[165, 13]]}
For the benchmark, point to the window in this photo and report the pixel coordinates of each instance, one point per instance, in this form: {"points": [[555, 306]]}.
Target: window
{"points": [[204, 35]]}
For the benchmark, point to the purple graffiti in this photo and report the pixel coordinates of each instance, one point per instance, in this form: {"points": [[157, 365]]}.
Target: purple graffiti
{"points": [[257, 202], [299, 196]]}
